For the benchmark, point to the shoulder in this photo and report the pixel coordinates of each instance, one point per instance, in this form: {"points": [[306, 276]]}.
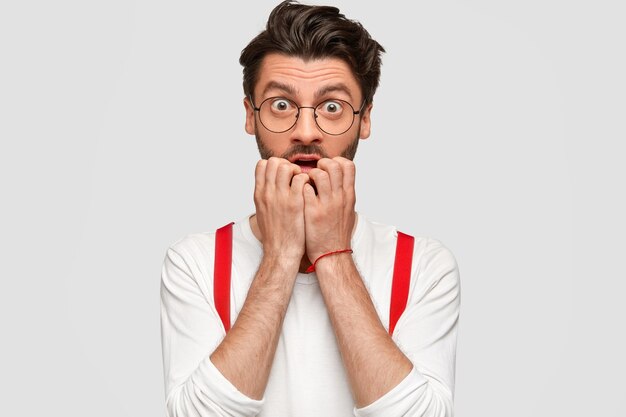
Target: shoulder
{"points": [[426, 249], [195, 253], [436, 267], [435, 255], [194, 247], [432, 260], [189, 262]]}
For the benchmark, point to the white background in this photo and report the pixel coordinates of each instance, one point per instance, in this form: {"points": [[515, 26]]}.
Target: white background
{"points": [[498, 129]]}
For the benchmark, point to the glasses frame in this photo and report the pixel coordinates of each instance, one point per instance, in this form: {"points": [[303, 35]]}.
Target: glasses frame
{"points": [[354, 113]]}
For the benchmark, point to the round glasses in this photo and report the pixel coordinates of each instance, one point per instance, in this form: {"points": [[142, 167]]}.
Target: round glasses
{"points": [[332, 116]]}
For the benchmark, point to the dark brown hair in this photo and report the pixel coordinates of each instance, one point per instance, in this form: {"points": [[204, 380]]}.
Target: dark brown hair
{"points": [[314, 32]]}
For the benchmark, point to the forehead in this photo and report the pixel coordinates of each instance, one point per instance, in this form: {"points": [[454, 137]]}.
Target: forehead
{"points": [[306, 78]]}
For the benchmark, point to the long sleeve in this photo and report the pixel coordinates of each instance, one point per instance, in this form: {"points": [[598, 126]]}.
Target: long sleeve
{"points": [[426, 333], [190, 332]]}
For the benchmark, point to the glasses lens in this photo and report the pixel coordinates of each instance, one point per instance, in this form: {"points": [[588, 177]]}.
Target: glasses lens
{"points": [[278, 114], [334, 116]]}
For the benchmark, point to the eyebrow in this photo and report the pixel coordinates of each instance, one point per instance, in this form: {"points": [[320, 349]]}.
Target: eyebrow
{"points": [[290, 89], [332, 88], [275, 85]]}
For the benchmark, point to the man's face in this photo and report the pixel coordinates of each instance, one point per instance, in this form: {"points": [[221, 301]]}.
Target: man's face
{"points": [[307, 84]]}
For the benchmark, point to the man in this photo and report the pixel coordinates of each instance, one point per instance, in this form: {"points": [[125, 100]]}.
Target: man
{"points": [[308, 343]]}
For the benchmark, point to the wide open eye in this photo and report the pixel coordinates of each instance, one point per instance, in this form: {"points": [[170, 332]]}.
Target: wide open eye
{"points": [[331, 107], [280, 105]]}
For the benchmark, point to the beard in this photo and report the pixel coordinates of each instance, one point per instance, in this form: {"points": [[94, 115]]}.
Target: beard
{"points": [[312, 149]]}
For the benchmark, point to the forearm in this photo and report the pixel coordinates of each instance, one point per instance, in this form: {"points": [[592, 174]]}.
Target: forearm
{"points": [[246, 354], [373, 362]]}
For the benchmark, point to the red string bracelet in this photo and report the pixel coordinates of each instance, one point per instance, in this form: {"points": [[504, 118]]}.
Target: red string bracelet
{"points": [[312, 267]]}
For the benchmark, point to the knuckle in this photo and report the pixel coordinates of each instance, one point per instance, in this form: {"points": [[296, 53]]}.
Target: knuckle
{"points": [[323, 162], [297, 179], [260, 166], [348, 163]]}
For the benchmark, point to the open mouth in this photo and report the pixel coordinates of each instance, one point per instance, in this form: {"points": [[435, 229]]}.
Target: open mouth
{"points": [[308, 163], [305, 161]]}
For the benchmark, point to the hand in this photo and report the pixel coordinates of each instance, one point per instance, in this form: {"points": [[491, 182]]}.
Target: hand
{"points": [[329, 216], [279, 201]]}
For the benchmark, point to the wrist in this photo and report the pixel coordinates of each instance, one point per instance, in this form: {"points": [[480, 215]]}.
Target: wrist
{"points": [[287, 261], [328, 258]]}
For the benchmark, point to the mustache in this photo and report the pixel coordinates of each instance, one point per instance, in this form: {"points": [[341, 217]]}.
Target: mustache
{"points": [[305, 149]]}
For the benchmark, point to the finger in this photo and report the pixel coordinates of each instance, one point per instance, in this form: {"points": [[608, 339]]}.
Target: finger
{"points": [[322, 182], [298, 182], [349, 173], [270, 171], [335, 173], [310, 199], [259, 174], [285, 172]]}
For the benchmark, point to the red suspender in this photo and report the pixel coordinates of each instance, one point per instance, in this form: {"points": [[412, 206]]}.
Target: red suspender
{"points": [[224, 257], [401, 278], [221, 272]]}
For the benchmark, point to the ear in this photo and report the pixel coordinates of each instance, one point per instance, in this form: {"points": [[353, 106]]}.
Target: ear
{"points": [[366, 122], [250, 120]]}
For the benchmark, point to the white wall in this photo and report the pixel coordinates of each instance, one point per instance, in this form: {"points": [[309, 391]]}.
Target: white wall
{"points": [[498, 129]]}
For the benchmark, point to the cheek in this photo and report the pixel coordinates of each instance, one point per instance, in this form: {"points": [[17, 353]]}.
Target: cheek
{"points": [[275, 146]]}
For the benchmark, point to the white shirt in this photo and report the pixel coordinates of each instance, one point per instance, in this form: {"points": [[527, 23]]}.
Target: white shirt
{"points": [[307, 376]]}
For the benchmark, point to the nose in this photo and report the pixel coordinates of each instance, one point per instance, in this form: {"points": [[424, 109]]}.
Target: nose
{"points": [[306, 130]]}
